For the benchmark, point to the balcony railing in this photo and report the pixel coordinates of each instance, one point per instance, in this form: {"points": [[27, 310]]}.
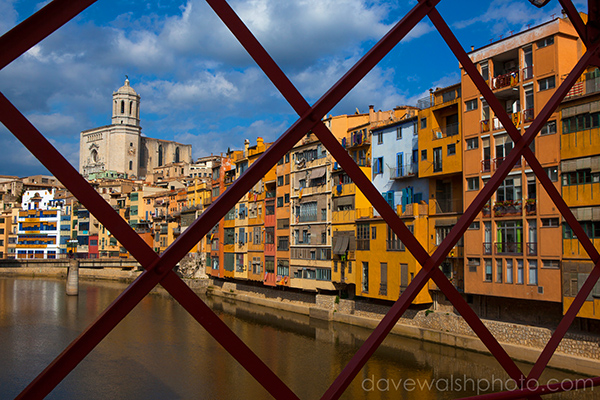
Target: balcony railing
{"points": [[509, 207], [509, 248], [499, 160], [446, 206], [583, 87], [508, 79], [444, 131], [531, 248], [404, 171], [487, 248], [530, 206], [486, 165]]}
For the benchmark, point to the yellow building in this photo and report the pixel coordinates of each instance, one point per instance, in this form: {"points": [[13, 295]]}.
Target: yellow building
{"points": [[580, 178], [441, 162]]}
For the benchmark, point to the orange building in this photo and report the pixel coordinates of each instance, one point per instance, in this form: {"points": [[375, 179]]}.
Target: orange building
{"points": [[520, 227]]}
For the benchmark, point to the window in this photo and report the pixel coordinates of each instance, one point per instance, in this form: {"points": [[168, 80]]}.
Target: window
{"points": [[545, 42], [378, 166], [257, 235], [451, 149], [365, 276], [280, 181], [550, 222], [485, 72], [474, 225], [533, 276], [280, 202], [423, 154], [423, 123], [471, 105], [362, 237], [286, 198], [473, 183], [509, 270], [580, 177], [488, 270], [552, 173], [283, 243], [472, 143], [499, 270], [373, 232], [549, 128], [398, 133], [307, 212], [546, 83], [270, 235], [437, 159], [393, 243], [379, 137], [554, 264]]}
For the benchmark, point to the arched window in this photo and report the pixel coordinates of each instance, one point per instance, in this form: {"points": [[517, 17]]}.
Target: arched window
{"points": [[130, 107], [130, 165], [94, 155], [176, 154], [160, 155], [122, 107]]}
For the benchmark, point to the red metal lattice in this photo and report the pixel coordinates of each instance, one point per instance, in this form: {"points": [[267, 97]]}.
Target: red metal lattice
{"points": [[159, 269]]}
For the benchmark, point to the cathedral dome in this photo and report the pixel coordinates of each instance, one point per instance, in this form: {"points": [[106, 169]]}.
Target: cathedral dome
{"points": [[126, 88]]}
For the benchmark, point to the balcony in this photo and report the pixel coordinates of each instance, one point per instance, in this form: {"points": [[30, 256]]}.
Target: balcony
{"points": [[499, 160], [444, 206], [583, 87], [509, 248], [508, 208], [528, 115], [404, 171], [530, 207], [486, 165], [508, 79], [487, 248], [531, 248], [271, 194], [527, 73], [515, 117], [445, 131]]}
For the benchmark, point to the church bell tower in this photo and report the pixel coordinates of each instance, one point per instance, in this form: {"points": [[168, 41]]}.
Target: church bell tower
{"points": [[126, 106]]}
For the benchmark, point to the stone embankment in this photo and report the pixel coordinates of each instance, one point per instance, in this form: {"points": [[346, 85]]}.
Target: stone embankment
{"points": [[577, 352]]}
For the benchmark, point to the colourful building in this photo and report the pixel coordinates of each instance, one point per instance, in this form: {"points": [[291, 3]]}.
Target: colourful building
{"points": [[39, 225], [520, 227], [441, 163], [580, 177]]}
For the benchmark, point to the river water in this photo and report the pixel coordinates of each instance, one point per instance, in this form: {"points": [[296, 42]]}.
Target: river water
{"points": [[160, 352]]}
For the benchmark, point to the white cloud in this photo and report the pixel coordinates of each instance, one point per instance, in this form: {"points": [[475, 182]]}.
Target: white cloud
{"points": [[8, 15]]}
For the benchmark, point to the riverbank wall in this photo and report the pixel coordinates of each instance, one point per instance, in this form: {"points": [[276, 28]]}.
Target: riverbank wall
{"points": [[577, 352]]}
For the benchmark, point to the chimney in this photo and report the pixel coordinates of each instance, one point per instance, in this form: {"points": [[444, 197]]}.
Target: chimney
{"points": [[472, 48], [246, 145]]}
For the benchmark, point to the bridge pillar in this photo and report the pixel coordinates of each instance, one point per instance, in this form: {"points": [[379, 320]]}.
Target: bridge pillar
{"points": [[73, 278]]}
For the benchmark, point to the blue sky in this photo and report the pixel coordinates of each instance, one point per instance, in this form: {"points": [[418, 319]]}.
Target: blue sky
{"points": [[199, 86]]}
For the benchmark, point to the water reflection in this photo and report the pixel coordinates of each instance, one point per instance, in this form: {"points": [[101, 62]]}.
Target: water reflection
{"points": [[160, 352]]}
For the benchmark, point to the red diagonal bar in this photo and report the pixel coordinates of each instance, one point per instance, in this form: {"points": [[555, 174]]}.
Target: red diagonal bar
{"points": [[37, 27]]}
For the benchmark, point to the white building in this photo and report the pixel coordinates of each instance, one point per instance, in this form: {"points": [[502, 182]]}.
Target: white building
{"points": [[120, 148], [44, 225]]}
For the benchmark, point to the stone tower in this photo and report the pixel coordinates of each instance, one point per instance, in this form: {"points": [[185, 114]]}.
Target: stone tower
{"points": [[126, 106]]}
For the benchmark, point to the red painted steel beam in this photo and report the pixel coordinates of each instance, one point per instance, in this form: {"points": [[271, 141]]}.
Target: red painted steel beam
{"points": [[37, 27], [558, 387]]}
